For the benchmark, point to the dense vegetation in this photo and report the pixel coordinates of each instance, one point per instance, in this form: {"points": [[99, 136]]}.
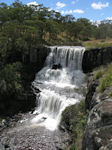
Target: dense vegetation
{"points": [[22, 26]]}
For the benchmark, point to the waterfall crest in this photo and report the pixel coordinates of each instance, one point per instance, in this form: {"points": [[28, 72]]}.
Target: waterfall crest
{"points": [[58, 81]]}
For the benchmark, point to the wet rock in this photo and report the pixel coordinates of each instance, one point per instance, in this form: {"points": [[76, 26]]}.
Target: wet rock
{"points": [[4, 122], [35, 89], [56, 66], [44, 118]]}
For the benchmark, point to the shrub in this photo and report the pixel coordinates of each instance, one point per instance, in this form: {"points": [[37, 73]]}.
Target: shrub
{"points": [[10, 77]]}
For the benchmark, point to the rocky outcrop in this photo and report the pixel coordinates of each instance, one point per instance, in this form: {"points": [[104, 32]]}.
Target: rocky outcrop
{"points": [[98, 132], [92, 85], [96, 57]]}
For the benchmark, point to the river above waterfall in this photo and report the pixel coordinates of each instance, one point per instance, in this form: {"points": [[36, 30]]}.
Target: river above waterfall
{"points": [[60, 83]]}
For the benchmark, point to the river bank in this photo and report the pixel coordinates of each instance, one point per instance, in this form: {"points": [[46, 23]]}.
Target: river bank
{"points": [[20, 136]]}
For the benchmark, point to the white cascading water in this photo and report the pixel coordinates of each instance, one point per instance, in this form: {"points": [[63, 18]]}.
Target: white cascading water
{"points": [[58, 82]]}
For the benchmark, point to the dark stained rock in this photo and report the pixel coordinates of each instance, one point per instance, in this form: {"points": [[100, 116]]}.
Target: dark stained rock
{"points": [[98, 132], [96, 57], [56, 66], [15, 103], [91, 89]]}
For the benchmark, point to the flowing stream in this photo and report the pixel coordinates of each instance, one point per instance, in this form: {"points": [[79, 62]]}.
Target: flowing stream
{"points": [[58, 82], [61, 84]]}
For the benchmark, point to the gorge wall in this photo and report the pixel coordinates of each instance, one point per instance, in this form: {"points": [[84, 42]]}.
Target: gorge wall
{"points": [[23, 100], [96, 57], [98, 132]]}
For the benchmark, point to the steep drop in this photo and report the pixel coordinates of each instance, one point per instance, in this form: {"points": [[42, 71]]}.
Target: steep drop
{"points": [[59, 82]]}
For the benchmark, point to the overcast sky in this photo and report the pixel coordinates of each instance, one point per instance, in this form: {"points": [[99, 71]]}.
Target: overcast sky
{"points": [[91, 9]]}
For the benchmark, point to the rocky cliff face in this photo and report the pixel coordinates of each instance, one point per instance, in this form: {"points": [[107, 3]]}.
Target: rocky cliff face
{"points": [[14, 102], [98, 132], [96, 57]]}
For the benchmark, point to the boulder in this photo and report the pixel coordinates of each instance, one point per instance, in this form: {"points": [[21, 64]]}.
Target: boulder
{"points": [[98, 132], [56, 66]]}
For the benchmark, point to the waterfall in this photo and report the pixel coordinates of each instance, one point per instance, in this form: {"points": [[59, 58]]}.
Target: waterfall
{"points": [[58, 81]]}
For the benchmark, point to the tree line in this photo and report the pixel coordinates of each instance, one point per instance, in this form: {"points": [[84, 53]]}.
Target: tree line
{"points": [[24, 25]]}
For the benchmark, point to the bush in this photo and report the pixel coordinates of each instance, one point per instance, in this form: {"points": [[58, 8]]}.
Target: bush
{"points": [[10, 78]]}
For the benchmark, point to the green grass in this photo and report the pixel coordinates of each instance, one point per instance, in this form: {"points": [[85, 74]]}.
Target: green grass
{"points": [[78, 126], [97, 44], [105, 77], [99, 72]]}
